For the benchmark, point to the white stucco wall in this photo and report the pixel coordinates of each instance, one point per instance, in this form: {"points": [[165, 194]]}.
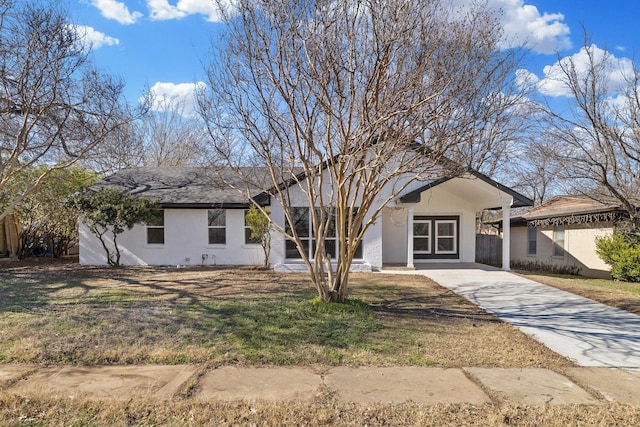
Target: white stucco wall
{"points": [[185, 242], [580, 247]]}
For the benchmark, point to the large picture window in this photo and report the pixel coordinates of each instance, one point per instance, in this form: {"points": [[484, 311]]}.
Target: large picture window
{"points": [[435, 237], [155, 228], [217, 227], [301, 218]]}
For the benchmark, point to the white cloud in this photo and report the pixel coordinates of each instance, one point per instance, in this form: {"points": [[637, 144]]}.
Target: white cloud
{"points": [[542, 32], [525, 79], [616, 69], [175, 95], [163, 10], [118, 11], [92, 38], [525, 24]]}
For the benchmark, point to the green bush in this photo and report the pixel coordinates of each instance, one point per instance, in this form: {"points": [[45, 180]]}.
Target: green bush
{"points": [[622, 252]]}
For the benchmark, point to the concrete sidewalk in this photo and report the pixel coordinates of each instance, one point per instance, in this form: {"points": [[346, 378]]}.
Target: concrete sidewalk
{"points": [[585, 331], [365, 385]]}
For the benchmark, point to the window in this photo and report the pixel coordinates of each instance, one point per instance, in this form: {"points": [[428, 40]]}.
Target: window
{"points": [[435, 237], [155, 228], [532, 246], [558, 241], [446, 236], [422, 236], [301, 218], [301, 224], [217, 227]]}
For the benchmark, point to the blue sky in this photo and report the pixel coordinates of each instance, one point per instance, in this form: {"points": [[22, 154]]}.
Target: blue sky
{"points": [[160, 45]]}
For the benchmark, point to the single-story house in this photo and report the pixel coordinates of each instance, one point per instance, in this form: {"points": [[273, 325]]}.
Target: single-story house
{"points": [[561, 233], [202, 221]]}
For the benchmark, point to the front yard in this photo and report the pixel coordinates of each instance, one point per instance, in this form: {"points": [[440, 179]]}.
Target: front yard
{"points": [[69, 314], [62, 313]]}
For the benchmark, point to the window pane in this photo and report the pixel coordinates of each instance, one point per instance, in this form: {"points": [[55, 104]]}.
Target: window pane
{"points": [[157, 218], [155, 235], [248, 239], [421, 229], [532, 247], [217, 218], [358, 254], [421, 244], [300, 219], [446, 244], [558, 241], [331, 225], [291, 250], [330, 248], [217, 236], [446, 228]]}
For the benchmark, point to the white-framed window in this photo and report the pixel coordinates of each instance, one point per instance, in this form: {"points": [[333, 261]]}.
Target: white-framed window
{"points": [[435, 237], [532, 240], [216, 220], [422, 236], [446, 236], [558, 241], [155, 228], [302, 222]]}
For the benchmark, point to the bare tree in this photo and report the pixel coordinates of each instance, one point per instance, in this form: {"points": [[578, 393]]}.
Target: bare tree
{"points": [[535, 169], [171, 136], [55, 107], [599, 139], [338, 99]]}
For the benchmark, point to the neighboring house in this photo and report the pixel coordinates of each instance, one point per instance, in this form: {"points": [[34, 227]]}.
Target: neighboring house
{"points": [[561, 233], [202, 222]]}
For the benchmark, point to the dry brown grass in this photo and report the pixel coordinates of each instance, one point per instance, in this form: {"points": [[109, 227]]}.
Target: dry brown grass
{"points": [[623, 295], [63, 313], [17, 411]]}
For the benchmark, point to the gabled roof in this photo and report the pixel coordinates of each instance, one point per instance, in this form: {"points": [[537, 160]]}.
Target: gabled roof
{"points": [[519, 200], [186, 187]]}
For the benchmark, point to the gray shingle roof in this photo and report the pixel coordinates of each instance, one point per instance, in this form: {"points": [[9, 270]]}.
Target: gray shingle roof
{"points": [[186, 187]]}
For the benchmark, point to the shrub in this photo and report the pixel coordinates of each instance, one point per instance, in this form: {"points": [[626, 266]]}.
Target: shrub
{"points": [[544, 267], [622, 252]]}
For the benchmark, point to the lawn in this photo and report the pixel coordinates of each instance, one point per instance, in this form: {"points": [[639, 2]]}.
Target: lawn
{"points": [[63, 313], [624, 295], [70, 314]]}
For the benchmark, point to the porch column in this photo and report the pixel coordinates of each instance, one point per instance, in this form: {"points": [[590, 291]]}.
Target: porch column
{"points": [[410, 238], [506, 236]]}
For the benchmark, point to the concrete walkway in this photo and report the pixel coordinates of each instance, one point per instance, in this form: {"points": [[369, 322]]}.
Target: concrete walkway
{"points": [[585, 331], [365, 385]]}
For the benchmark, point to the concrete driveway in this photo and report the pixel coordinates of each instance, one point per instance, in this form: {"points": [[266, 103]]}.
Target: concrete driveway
{"points": [[587, 332]]}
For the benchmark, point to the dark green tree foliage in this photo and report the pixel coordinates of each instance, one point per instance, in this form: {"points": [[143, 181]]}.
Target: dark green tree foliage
{"points": [[622, 252], [109, 212], [47, 222]]}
